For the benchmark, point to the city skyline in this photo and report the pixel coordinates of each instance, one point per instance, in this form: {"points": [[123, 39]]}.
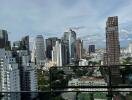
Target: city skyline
{"points": [[22, 17], [65, 50]]}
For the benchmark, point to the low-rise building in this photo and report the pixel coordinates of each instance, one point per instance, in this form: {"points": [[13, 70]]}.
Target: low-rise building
{"points": [[87, 81], [83, 62]]}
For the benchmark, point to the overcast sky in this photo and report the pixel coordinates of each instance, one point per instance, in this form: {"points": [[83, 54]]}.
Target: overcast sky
{"points": [[53, 17]]}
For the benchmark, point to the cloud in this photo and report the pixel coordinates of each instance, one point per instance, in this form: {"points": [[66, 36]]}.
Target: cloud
{"points": [[129, 39], [53, 17]]}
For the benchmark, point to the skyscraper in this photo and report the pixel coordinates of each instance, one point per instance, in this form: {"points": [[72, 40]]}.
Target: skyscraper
{"points": [[60, 53], [113, 47], [72, 44], [70, 37], [57, 54], [79, 48], [39, 49], [65, 52], [4, 43], [50, 42]]}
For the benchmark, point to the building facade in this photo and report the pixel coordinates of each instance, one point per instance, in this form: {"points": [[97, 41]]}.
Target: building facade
{"points": [[113, 48], [9, 75], [79, 48], [39, 49], [70, 37], [50, 42], [4, 43], [91, 49], [60, 53]]}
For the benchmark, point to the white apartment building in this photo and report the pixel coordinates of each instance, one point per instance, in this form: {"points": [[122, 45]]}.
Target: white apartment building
{"points": [[9, 75], [83, 62], [88, 81], [9, 72]]}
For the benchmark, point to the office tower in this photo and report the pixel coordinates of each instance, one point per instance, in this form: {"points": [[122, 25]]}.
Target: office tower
{"points": [[50, 42], [113, 48], [70, 37], [79, 48], [60, 53], [65, 52], [72, 43], [91, 49], [4, 43], [39, 49]]}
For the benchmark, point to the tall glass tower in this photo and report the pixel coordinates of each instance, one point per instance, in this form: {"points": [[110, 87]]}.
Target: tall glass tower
{"points": [[70, 38]]}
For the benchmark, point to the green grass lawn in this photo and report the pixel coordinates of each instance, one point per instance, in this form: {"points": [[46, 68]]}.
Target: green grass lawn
{"points": [[90, 96]]}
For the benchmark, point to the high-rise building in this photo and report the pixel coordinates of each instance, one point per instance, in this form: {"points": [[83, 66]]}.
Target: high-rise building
{"points": [[79, 48], [57, 54], [39, 49], [4, 43], [28, 73], [25, 43], [60, 53], [65, 52], [113, 48], [70, 37], [27, 69], [9, 75], [72, 44], [91, 49], [17, 72], [22, 45], [50, 42]]}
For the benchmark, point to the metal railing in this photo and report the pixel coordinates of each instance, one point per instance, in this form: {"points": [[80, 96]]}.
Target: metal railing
{"points": [[60, 76]]}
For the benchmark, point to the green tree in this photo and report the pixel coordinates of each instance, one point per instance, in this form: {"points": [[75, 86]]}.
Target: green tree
{"points": [[127, 60]]}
